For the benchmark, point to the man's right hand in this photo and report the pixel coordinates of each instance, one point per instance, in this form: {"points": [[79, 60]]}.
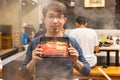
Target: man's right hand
{"points": [[36, 54]]}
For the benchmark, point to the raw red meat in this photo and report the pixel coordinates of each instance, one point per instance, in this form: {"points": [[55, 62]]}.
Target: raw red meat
{"points": [[54, 48]]}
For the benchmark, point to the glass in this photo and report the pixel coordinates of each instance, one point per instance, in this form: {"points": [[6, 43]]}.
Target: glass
{"points": [[52, 17], [103, 39]]}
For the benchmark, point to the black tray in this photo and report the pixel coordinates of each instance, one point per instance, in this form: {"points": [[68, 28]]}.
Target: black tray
{"points": [[54, 46]]}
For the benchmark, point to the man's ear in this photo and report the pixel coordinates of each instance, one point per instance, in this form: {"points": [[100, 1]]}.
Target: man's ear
{"points": [[76, 24], [86, 24], [44, 20], [65, 19]]}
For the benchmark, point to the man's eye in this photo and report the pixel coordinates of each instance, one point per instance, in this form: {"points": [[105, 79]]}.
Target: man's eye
{"points": [[51, 16], [59, 17]]}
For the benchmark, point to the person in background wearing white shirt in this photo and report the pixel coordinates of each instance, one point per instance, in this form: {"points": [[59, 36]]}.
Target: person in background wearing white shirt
{"points": [[87, 38]]}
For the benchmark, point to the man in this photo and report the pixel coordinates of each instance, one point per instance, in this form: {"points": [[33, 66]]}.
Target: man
{"points": [[87, 38], [54, 17]]}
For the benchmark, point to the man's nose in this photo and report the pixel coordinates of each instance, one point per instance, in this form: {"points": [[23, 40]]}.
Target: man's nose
{"points": [[55, 19]]}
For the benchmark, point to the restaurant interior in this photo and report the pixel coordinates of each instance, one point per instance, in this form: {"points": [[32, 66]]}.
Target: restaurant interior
{"points": [[25, 16]]}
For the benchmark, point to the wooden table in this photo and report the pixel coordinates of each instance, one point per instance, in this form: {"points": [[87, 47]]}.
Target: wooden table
{"points": [[115, 49], [112, 71], [8, 52]]}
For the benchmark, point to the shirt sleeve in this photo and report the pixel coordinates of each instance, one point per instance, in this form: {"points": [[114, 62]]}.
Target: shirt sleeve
{"points": [[24, 70], [86, 67]]}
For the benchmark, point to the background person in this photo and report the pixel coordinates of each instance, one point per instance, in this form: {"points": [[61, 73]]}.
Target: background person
{"points": [[54, 17], [88, 40]]}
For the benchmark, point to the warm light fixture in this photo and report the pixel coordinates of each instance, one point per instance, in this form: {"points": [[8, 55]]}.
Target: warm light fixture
{"points": [[23, 3], [72, 3], [36, 1]]}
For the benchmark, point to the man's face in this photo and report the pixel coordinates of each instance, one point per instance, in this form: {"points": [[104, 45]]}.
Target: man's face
{"points": [[54, 21]]}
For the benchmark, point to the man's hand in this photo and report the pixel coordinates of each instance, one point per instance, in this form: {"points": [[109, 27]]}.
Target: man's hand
{"points": [[36, 54], [35, 58], [73, 54]]}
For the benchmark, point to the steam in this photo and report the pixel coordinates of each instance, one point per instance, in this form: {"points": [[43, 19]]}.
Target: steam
{"points": [[53, 68]]}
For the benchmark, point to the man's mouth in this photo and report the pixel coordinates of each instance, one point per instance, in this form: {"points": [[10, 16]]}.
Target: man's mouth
{"points": [[55, 27]]}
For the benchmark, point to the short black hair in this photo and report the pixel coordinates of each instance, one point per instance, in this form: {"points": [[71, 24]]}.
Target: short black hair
{"points": [[55, 6], [81, 20]]}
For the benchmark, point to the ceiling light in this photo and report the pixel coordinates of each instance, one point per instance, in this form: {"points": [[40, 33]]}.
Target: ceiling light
{"points": [[72, 3], [33, 3], [36, 1], [23, 3]]}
